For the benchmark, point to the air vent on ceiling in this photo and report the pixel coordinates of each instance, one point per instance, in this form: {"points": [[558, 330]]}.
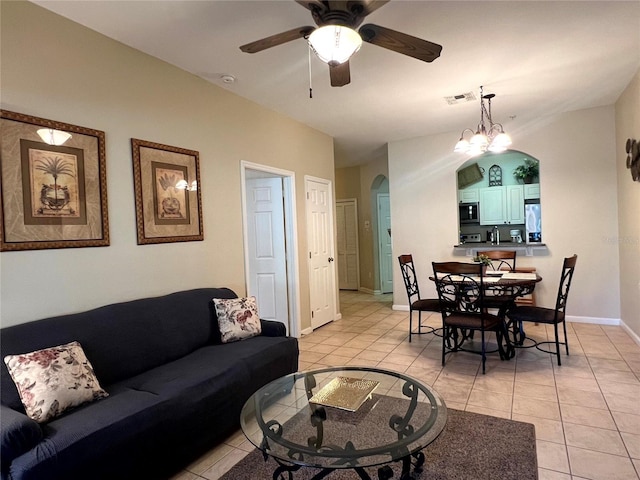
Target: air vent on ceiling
{"points": [[460, 98]]}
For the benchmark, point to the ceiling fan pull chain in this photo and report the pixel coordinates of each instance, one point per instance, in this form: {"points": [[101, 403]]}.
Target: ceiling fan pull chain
{"points": [[310, 87]]}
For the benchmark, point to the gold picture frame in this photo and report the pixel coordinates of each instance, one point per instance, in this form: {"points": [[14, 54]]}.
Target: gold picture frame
{"points": [[53, 192], [167, 189]]}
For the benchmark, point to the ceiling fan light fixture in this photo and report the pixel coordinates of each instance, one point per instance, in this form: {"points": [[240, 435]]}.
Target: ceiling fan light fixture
{"points": [[335, 44]]}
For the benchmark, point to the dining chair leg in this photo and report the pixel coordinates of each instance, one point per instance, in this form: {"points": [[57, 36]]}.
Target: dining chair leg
{"points": [[566, 340], [410, 323], [555, 327], [419, 321], [484, 357], [445, 335]]}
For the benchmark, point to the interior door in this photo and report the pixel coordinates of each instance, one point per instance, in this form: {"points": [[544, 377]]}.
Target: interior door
{"points": [[384, 243], [347, 225], [267, 248], [321, 261]]}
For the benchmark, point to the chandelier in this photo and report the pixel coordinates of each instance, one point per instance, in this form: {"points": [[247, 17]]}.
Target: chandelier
{"points": [[487, 136]]}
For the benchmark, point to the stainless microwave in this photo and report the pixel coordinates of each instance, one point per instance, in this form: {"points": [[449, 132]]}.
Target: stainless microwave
{"points": [[469, 212]]}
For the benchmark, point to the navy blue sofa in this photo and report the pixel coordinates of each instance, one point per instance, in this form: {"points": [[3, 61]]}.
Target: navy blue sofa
{"points": [[174, 389]]}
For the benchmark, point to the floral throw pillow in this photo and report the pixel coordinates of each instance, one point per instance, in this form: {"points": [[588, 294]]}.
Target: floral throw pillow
{"points": [[53, 380], [237, 318]]}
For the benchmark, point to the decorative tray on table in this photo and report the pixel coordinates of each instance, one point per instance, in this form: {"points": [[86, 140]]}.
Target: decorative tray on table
{"points": [[345, 393]]}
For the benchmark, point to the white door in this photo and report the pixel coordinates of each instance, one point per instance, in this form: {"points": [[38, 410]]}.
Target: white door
{"points": [[384, 243], [347, 225], [321, 261], [267, 249]]}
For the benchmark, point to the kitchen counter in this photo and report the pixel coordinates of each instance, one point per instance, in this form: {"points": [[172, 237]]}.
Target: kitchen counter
{"points": [[471, 247]]}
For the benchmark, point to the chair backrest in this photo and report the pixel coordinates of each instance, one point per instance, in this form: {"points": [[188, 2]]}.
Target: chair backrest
{"points": [[409, 276], [568, 267], [501, 259], [460, 286]]}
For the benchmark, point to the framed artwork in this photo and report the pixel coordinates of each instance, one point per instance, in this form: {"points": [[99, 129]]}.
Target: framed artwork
{"points": [[167, 187], [53, 184]]}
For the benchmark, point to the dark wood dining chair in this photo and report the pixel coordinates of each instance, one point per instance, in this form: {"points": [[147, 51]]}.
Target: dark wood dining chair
{"points": [[461, 293], [501, 259], [498, 297], [416, 303], [549, 316]]}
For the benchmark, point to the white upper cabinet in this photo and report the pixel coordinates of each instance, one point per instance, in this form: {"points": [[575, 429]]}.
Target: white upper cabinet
{"points": [[502, 205], [492, 206], [514, 208], [468, 195], [531, 191]]}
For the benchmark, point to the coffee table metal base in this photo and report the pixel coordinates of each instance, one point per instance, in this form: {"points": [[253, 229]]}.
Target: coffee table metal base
{"points": [[285, 470]]}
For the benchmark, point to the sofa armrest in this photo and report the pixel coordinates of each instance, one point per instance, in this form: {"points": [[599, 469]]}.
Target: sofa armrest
{"points": [[18, 434], [271, 328]]}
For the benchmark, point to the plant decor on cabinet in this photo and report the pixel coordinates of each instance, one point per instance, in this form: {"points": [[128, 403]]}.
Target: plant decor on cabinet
{"points": [[527, 172]]}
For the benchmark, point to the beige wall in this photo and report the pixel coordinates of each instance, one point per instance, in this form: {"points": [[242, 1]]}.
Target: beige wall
{"points": [[56, 69], [579, 207], [628, 239], [348, 183]]}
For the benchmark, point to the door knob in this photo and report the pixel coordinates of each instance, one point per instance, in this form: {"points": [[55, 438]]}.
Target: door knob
{"points": [[330, 259]]}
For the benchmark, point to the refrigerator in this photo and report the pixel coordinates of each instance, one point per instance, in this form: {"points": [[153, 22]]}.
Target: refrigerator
{"points": [[533, 222]]}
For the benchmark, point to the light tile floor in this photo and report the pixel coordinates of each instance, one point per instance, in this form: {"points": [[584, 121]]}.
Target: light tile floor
{"points": [[586, 412]]}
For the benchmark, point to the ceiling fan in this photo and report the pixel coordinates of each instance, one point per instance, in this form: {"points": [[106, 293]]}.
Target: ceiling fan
{"points": [[331, 17]]}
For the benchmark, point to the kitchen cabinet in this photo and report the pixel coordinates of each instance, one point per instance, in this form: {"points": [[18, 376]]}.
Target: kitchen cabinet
{"points": [[468, 195], [531, 191], [514, 209], [502, 205]]}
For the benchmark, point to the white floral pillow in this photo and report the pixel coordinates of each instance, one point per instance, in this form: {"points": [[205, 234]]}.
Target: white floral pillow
{"points": [[237, 318], [53, 380]]}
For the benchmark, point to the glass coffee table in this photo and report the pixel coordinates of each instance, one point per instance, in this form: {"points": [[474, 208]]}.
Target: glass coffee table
{"points": [[344, 418]]}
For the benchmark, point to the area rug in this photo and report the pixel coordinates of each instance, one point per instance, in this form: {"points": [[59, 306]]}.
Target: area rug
{"points": [[471, 447]]}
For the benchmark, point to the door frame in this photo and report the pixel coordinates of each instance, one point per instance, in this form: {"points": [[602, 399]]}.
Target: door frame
{"points": [[332, 235], [380, 235], [290, 233]]}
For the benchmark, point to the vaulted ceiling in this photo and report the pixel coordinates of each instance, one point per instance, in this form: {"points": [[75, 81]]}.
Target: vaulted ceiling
{"points": [[538, 57]]}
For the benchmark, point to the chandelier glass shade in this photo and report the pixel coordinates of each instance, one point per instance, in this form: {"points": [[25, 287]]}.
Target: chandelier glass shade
{"points": [[335, 44], [487, 136]]}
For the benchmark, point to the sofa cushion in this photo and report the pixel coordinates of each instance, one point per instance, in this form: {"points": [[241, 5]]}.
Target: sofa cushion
{"points": [[237, 318], [113, 433], [53, 380]]}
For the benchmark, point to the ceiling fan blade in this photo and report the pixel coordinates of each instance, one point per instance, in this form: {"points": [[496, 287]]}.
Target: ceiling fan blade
{"points": [[277, 39], [340, 74], [400, 42]]}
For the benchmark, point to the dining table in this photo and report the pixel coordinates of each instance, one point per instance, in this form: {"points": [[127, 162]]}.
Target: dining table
{"points": [[506, 286]]}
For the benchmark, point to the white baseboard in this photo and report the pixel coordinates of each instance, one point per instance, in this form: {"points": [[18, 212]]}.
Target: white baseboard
{"points": [[595, 320], [632, 334], [401, 308], [369, 291], [338, 316], [306, 331]]}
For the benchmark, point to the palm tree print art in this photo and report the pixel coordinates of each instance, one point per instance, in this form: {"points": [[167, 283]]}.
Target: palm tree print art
{"points": [[54, 197]]}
